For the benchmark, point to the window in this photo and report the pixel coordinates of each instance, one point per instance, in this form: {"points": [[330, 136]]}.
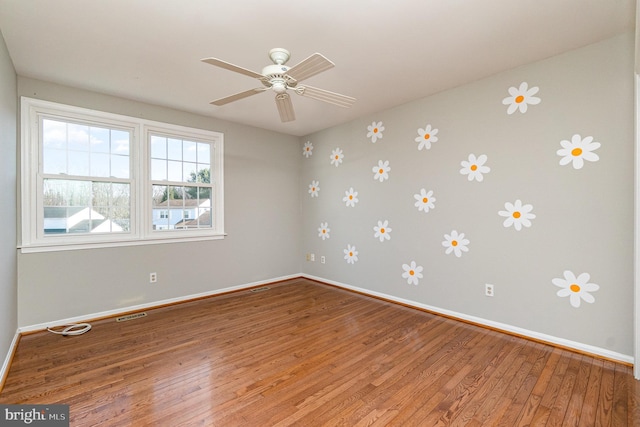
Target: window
{"points": [[92, 179]]}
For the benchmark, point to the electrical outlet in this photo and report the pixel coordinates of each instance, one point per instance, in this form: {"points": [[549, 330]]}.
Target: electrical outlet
{"points": [[312, 257], [488, 290], [308, 257], [153, 277], [323, 260]]}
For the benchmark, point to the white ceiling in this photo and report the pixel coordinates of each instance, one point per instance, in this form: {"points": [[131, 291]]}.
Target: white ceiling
{"points": [[387, 52]]}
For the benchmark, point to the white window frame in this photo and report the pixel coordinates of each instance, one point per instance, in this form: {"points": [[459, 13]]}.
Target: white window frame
{"points": [[33, 238]]}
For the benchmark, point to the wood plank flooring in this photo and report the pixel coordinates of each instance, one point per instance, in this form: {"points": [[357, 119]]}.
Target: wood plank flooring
{"points": [[308, 354]]}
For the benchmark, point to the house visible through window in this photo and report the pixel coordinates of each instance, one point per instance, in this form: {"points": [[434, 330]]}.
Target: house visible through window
{"points": [[92, 179]]}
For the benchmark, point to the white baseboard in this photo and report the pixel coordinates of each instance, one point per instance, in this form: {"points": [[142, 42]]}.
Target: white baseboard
{"points": [[581, 347], [150, 305], [7, 360]]}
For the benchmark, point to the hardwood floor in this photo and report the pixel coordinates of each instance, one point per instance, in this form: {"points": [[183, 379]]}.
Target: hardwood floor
{"points": [[303, 353]]}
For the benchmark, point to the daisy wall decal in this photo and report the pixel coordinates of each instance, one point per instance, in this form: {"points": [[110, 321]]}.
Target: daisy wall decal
{"points": [[375, 130], [350, 197], [382, 231], [578, 150], [517, 215], [424, 200], [350, 254], [519, 98], [381, 172], [314, 188], [425, 137], [576, 288], [456, 243], [412, 272], [323, 230], [336, 157], [475, 167], [307, 150]]}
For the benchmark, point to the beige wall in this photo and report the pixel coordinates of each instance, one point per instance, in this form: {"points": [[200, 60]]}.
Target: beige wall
{"points": [[584, 217], [261, 219]]}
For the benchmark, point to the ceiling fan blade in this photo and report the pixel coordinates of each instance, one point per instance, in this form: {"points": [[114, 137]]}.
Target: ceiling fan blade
{"points": [[237, 96], [309, 67], [326, 96], [285, 107], [231, 67]]}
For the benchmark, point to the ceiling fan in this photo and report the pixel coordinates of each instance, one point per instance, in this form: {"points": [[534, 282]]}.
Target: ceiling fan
{"points": [[280, 78]]}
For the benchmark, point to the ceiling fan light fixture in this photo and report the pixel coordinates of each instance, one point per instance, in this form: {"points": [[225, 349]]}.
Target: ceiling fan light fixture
{"points": [[278, 86]]}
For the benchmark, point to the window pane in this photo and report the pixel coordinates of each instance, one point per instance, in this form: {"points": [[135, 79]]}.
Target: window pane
{"points": [[119, 166], [85, 207], [158, 147], [204, 153], [189, 172], [189, 151], [175, 171], [99, 138], [158, 170], [120, 141], [99, 164], [78, 137], [54, 161], [54, 134], [174, 149], [78, 163]]}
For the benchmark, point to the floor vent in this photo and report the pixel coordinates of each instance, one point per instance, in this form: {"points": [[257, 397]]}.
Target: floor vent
{"points": [[262, 289], [131, 317]]}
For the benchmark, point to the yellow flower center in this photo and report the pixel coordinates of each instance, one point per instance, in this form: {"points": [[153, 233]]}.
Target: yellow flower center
{"points": [[382, 230], [516, 214], [375, 130], [381, 171], [427, 136], [313, 188], [350, 197], [411, 273], [519, 99], [324, 231], [576, 152], [454, 243], [337, 157], [474, 167], [425, 200], [350, 253], [574, 287]]}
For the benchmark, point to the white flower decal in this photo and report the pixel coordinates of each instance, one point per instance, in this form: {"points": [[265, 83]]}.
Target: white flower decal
{"points": [[375, 131], [474, 167], [336, 157], [314, 188], [456, 243], [424, 200], [307, 150], [350, 197], [520, 98], [323, 230], [425, 137], [578, 150], [381, 172], [576, 288], [351, 254], [412, 272], [517, 215], [382, 231]]}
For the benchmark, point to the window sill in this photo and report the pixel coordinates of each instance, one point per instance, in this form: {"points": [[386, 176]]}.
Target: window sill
{"points": [[99, 245]]}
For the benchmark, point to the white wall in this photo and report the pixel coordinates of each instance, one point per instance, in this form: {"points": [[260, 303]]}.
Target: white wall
{"points": [[261, 219], [8, 111], [584, 217]]}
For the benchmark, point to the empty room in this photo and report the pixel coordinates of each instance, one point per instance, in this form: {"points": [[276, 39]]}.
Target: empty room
{"points": [[324, 213]]}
